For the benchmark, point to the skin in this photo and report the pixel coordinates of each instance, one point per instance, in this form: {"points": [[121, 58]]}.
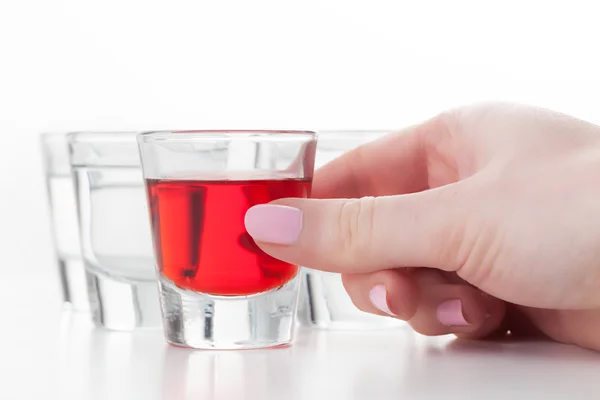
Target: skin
{"points": [[497, 205]]}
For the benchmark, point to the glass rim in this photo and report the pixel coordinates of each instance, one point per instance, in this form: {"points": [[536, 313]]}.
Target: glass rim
{"points": [[48, 136], [99, 149], [55, 153], [355, 132], [222, 134], [102, 136]]}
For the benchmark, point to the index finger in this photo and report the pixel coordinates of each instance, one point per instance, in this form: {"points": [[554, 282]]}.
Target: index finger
{"points": [[393, 164]]}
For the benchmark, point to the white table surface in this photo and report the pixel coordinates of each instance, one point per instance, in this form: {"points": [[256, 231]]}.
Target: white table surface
{"points": [[49, 353]]}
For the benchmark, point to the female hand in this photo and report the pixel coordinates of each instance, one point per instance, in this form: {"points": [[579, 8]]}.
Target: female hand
{"points": [[482, 220]]}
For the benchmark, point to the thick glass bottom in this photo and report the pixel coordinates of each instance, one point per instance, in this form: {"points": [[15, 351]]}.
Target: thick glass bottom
{"points": [[202, 321], [121, 304], [73, 283]]}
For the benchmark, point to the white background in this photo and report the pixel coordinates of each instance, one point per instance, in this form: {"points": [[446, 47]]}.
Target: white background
{"points": [[315, 64], [144, 64]]}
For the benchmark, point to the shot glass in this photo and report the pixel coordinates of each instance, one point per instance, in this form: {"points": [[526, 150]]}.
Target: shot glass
{"points": [[115, 231], [63, 219], [218, 290], [324, 302]]}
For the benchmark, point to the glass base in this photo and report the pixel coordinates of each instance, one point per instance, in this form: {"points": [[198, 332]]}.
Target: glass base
{"points": [[123, 305], [202, 321], [324, 304], [73, 283]]}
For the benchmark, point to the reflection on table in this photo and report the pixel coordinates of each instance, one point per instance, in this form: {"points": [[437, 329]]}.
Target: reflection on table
{"points": [[388, 363]]}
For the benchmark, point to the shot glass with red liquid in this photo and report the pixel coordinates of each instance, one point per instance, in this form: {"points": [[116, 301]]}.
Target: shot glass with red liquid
{"points": [[218, 290]]}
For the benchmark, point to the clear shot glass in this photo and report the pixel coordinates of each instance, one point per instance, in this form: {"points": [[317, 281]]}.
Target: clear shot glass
{"points": [[115, 231], [324, 302], [63, 219], [218, 290]]}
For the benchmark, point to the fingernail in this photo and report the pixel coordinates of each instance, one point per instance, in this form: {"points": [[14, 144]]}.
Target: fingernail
{"points": [[450, 313], [378, 296], [272, 223]]}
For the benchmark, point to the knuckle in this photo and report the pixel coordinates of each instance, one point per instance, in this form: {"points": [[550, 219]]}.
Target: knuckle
{"points": [[356, 226]]}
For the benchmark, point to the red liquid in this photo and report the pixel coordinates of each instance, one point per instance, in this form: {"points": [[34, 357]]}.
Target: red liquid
{"points": [[200, 238]]}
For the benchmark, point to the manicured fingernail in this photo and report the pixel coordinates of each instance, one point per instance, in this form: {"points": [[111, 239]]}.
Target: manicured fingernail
{"points": [[450, 313], [378, 296], [272, 223]]}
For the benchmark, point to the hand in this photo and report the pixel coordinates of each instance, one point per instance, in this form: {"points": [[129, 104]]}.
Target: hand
{"points": [[482, 220]]}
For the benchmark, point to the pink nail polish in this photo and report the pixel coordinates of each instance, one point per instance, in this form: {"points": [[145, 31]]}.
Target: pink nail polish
{"points": [[450, 313], [272, 223], [378, 296]]}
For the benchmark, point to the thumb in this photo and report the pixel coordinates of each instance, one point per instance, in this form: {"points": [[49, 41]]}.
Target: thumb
{"points": [[424, 229]]}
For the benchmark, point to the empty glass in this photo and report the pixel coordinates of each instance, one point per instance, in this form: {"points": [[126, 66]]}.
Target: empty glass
{"points": [[324, 302], [63, 219], [218, 289], [115, 230]]}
